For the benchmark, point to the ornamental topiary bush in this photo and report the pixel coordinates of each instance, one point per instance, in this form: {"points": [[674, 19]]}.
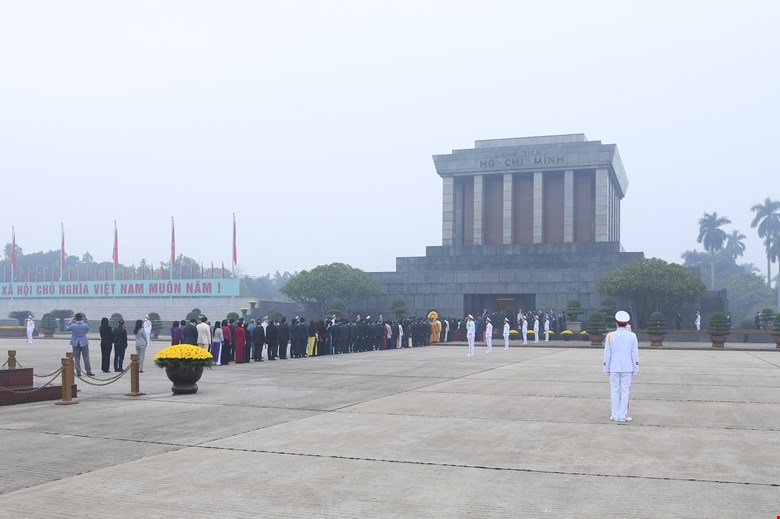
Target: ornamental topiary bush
{"points": [[597, 324], [718, 325], [656, 324]]}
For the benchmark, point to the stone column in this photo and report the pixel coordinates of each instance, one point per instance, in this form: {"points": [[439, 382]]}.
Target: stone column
{"points": [[479, 215], [508, 234], [538, 197], [602, 205], [568, 206], [448, 211]]}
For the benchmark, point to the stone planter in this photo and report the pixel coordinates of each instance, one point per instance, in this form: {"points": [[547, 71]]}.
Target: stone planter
{"points": [[656, 341], [596, 340], [718, 341], [47, 332], [14, 331], [185, 380], [777, 340]]}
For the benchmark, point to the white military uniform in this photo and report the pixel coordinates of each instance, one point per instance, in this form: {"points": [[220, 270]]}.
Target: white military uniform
{"points": [[471, 332], [489, 336], [621, 363], [536, 329], [506, 334], [525, 330], [546, 328], [30, 329]]}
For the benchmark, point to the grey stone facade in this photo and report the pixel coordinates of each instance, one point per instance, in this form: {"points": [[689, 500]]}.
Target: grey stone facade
{"points": [[552, 263]]}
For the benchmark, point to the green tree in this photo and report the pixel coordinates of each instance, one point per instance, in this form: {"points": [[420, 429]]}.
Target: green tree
{"points": [[767, 221], [19, 315], [48, 324], [114, 319], [317, 288], [61, 315], [712, 237], [747, 293], [337, 308], [652, 285], [398, 309], [735, 244]]}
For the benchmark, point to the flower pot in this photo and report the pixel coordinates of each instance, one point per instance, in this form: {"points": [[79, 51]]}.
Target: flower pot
{"points": [[184, 379], [718, 340], [656, 341], [596, 340], [777, 340]]}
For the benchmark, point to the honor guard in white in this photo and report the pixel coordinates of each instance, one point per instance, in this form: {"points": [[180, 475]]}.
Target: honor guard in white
{"points": [[471, 333], [506, 333], [525, 330], [546, 328], [621, 364], [30, 328], [489, 335], [536, 328]]}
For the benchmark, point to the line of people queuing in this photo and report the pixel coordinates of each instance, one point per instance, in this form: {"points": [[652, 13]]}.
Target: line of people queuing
{"points": [[111, 339], [241, 340]]}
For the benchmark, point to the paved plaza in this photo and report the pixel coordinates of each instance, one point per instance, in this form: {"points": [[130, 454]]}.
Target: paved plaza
{"points": [[407, 433]]}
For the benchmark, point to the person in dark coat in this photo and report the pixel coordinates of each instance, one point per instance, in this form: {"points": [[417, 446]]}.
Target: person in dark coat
{"points": [[271, 341], [190, 333], [119, 338], [283, 337], [106, 342]]}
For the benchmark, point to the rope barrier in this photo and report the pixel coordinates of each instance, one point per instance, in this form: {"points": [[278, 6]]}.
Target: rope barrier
{"points": [[103, 381], [50, 374]]}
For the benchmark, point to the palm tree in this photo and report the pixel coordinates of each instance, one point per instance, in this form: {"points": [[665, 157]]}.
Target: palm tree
{"points": [[768, 221], [712, 237], [735, 244]]}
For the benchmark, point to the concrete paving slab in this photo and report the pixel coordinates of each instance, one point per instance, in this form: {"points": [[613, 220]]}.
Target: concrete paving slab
{"points": [[413, 433]]}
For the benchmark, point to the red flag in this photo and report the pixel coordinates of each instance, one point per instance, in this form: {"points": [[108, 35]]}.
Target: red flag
{"points": [[191, 276], [143, 272], [133, 271], [124, 273], [13, 252], [201, 270], [235, 254], [36, 274], [223, 269], [62, 251], [28, 273], [212, 269], [162, 271], [151, 265], [173, 245], [78, 272]]}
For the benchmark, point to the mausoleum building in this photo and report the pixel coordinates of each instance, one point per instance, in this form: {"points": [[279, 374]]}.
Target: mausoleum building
{"points": [[528, 223]]}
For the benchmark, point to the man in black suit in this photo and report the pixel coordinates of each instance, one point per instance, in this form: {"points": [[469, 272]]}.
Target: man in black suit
{"points": [[271, 341], [283, 337], [190, 333], [258, 340]]}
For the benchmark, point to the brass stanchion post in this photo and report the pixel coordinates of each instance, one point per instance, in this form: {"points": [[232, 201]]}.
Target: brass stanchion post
{"points": [[67, 381], [135, 377], [11, 359]]}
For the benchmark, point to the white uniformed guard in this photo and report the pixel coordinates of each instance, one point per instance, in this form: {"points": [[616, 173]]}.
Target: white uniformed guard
{"points": [[471, 333], [506, 333], [536, 328], [489, 335], [525, 330], [621, 363]]}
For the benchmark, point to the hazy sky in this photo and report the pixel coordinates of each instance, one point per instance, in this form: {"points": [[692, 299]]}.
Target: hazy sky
{"points": [[315, 121]]}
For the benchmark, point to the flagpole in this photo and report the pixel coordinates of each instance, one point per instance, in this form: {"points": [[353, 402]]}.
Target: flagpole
{"points": [[116, 249], [13, 252], [235, 258], [62, 249], [173, 247]]}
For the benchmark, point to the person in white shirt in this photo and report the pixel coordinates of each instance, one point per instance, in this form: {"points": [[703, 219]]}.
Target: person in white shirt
{"points": [[471, 333], [148, 329], [506, 333], [546, 328], [621, 364], [525, 330], [536, 328], [697, 321], [30, 328], [489, 334]]}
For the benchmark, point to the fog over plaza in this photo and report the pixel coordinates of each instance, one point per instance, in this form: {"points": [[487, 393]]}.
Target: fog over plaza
{"points": [[315, 122]]}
